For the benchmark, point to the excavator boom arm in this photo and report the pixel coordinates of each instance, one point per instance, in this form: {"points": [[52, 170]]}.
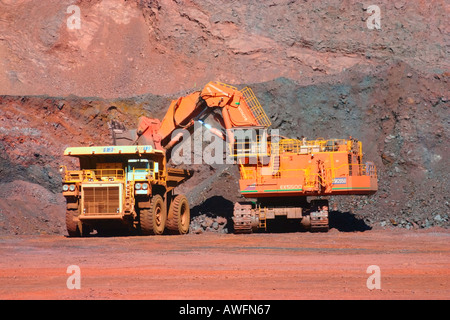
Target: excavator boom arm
{"points": [[237, 109]]}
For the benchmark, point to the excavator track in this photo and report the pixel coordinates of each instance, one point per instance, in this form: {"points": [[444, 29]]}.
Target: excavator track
{"points": [[319, 217], [319, 225], [242, 225], [244, 218]]}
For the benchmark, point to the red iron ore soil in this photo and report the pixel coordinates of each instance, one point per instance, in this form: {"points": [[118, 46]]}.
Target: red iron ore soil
{"points": [[212, 266]]}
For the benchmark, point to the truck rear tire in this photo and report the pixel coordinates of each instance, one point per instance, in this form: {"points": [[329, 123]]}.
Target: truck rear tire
{"points": [[153, 219], [179, 215]]}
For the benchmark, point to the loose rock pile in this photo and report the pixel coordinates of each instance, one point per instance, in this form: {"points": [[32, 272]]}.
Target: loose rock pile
{"points": [[208, 223]]}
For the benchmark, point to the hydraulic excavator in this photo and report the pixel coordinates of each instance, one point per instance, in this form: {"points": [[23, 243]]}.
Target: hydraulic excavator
{"points": [[276, 172]]}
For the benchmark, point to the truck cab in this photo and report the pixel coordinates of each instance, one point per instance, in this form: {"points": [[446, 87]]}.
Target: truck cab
{"points": [[140, 171]]}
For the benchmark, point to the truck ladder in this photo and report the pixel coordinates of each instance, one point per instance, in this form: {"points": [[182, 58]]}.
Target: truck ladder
{"points": [[129, 199]]}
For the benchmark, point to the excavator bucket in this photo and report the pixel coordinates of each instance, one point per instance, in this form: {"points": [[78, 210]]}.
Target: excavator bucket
{"points": [[123, 137], [120, 135]]}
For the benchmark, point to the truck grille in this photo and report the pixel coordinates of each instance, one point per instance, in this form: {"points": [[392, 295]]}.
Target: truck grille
{"points": [[101, 199]]}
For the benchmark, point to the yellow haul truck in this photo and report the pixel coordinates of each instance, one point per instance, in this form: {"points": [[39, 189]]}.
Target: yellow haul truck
{"points": [[124, 188]]}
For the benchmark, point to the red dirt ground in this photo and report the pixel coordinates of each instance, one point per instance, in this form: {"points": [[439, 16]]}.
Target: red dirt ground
{"points": [[413, 265]]}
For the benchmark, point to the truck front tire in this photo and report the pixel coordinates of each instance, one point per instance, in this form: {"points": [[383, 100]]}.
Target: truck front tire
{"points": [[72, 223]]}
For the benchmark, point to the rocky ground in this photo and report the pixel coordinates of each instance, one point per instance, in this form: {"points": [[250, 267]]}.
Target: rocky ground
{"points": [[315, 67]]}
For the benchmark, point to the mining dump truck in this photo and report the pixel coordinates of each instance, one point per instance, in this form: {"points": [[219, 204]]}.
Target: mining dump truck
{"points": [[124, 188]]}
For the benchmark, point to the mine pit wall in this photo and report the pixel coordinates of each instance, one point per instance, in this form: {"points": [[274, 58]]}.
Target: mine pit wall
{"points": [[316, 68]]}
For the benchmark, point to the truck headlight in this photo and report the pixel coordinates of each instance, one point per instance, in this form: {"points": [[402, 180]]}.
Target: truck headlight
{"points": [[72, 187], [65, 187], [138, 186], [144, 186]]}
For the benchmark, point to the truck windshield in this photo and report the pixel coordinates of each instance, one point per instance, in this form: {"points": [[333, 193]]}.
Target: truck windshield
{"points": [[142, 164]]}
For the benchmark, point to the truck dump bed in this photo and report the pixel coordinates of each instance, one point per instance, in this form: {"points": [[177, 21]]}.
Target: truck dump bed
{"points": [[175, 177]]}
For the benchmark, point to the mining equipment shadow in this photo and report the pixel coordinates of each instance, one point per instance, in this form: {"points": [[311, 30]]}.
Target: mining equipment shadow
{"points": [[216, 206], [219, 206], [114, 233], [341, 221], [347, 222]]}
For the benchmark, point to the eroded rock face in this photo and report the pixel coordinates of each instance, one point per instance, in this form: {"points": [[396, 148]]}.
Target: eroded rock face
{"points": [[145, 46], [315, 67]]}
